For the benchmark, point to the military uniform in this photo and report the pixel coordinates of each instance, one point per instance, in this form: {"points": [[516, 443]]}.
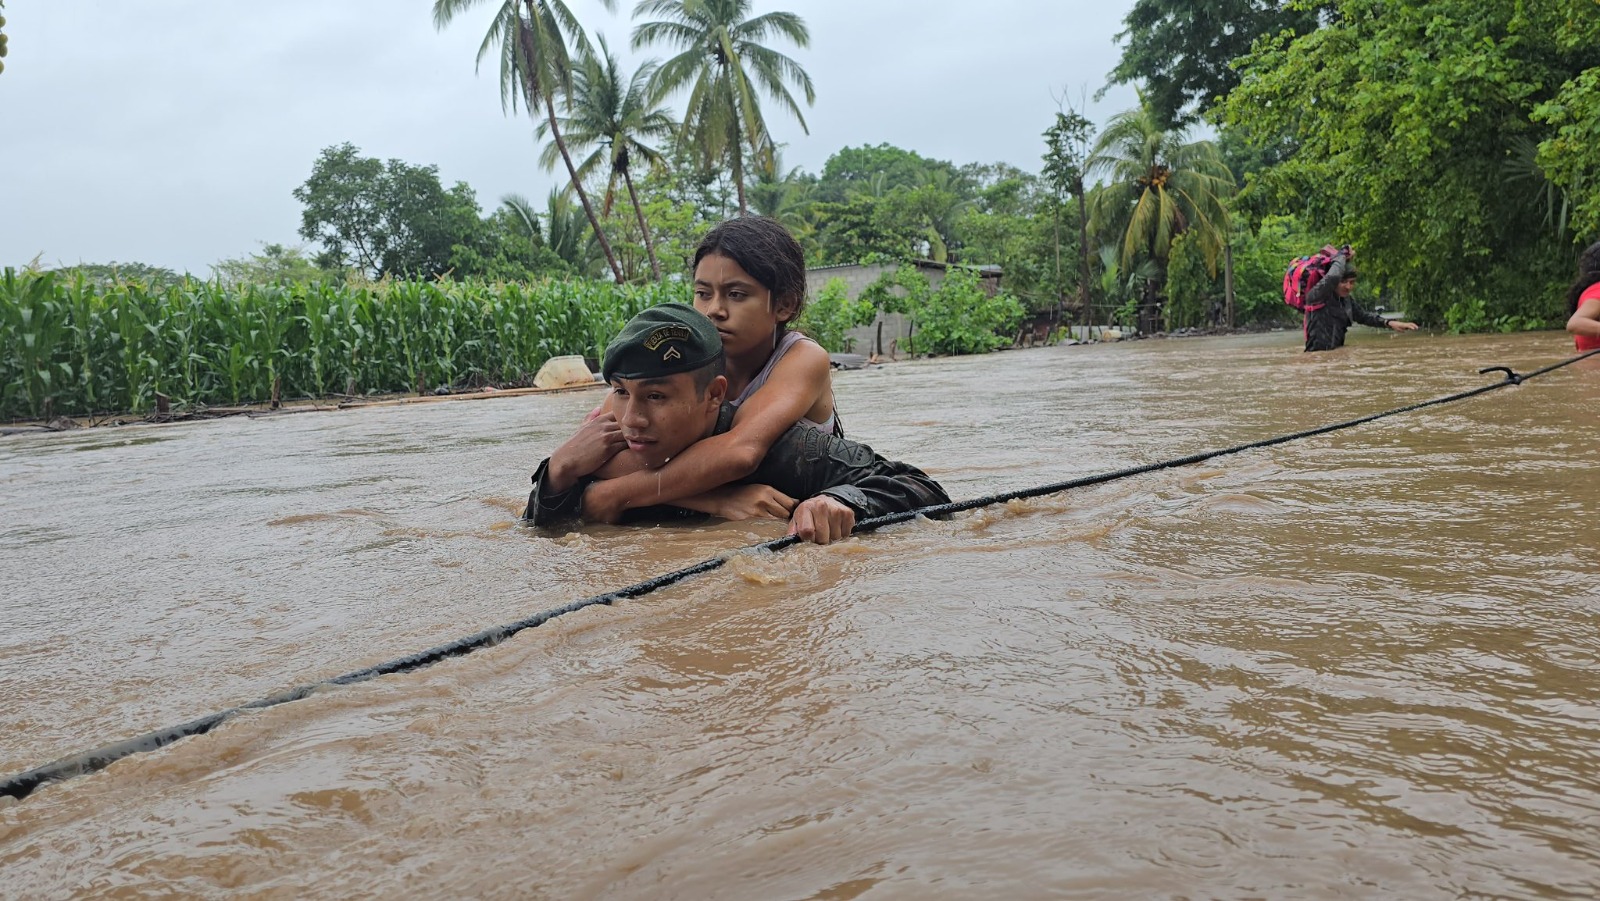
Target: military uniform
{"points": [[1328, 316], [802, 463]]}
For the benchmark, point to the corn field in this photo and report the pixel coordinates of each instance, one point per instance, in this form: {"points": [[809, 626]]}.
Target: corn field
{"points": [[74, 348]]}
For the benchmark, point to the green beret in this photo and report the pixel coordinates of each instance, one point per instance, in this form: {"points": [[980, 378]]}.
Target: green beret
{"points": [[662, 341]]}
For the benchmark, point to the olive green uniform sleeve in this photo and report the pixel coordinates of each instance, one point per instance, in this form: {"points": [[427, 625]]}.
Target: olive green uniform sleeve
{"points": [[546, 507], [804, 463]]}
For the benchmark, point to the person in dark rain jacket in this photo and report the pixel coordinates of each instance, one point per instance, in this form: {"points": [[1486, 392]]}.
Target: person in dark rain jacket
{"points": [[1330, 310]]}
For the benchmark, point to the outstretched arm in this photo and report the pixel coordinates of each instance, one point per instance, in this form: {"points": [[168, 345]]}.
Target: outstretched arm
{"points": [[1373, 319], [799, 380]]}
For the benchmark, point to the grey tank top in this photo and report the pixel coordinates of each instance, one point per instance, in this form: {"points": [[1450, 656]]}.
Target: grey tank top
{"points": [[789, 339]]}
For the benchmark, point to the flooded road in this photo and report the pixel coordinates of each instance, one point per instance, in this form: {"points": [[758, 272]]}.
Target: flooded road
{"points": [[1362, 665]]}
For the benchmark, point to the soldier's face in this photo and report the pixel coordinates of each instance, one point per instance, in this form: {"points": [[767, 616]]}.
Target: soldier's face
{"points": [[662, 416]]}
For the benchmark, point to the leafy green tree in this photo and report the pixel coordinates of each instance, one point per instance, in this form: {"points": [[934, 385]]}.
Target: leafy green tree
{"points": [[105, 275], [511, 249], [567, 233], [275, 264], [1181, 51], [385, 218], [1418, 106], [875, 170], [4, 39], [1067, 142], [865, 227], [1569, 155], [724, 62], [786, 197], [614, 118], [935, 205], [1159, 186], [674, 227], [830, 314], [959, 317], [530, 38], [1014, 225]]}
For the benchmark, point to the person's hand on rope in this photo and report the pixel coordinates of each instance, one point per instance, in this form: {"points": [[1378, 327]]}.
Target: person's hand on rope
{"points": [[596, 441], [1399, 326], [822, 519]]}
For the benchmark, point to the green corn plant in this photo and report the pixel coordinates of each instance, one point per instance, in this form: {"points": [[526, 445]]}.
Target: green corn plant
{"points": [[36, 323]]}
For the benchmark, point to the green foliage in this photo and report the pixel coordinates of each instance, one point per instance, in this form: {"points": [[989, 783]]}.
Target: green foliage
{"points": [[1066, 153], [1467, 316], [1159, 186], [107, 274], [1405, 113], [72, 347], [852, 231], [831, 313], [1570, 158], [723, 61], [530, 39], [393, 218], [875, 170], [275, 263], [1182, 52], [958, 317], [674, 228], [618, 121]]}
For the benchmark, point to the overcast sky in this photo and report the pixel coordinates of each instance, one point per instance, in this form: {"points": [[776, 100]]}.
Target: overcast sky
{"points": [[171, 132]]}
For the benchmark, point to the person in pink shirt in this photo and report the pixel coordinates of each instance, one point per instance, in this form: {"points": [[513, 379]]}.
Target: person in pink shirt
{"points": [[1583, 300]]}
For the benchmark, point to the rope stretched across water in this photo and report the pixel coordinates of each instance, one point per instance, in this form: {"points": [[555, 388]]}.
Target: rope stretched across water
{"points": [[23, 784]]}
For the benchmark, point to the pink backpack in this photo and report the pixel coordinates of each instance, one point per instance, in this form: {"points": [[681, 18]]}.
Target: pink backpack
{"points": [[1303, 275]]}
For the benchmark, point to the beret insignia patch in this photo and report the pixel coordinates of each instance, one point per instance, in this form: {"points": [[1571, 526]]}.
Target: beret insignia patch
{"points": [[667, 333]]}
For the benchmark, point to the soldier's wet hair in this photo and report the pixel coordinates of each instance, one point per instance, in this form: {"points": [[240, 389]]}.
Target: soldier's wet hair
{"points": [[765, 249], [704, 375]]}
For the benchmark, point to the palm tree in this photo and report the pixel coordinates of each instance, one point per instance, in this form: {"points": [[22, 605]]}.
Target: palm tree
{"points": [[530, 37], [565, 230], [1158, 187], [723, 61], [615, 119], [781, 196]]}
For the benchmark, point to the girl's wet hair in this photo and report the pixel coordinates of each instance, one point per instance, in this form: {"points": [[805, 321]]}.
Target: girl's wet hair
{"points": [[1588, 274], [765, 249]]}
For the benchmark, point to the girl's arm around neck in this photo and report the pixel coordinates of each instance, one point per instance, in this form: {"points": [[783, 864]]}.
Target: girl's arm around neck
{"points": [[798, 383]]}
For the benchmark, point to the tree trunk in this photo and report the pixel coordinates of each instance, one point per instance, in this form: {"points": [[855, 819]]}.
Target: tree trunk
{"points": [[1083, 248], [561, 145], [738, 177], [1147, 308], [1227, 278], [649, 243], [1061, 296]]}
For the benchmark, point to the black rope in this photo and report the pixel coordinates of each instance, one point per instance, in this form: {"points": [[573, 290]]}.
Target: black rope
{"points": [[23, 784]]}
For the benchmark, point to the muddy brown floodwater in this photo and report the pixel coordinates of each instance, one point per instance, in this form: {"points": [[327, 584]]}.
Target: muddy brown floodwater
{"points": [[1364, 665]]}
